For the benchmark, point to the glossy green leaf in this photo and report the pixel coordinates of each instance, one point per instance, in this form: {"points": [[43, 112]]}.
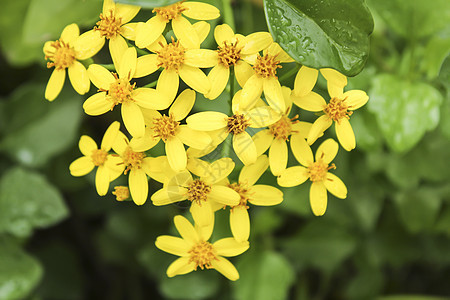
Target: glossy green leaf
{"points": [[19, 272], [319, 34], [404, 110], [28, 201], [148, 3], [264, 276]]}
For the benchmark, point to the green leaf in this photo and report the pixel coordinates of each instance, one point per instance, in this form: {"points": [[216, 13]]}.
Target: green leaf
{"points": [[148, 3], [36, 129], [264, 276], [28, 201], [366, 130], [404, 110], [319, 34], [443, 223], [413, 18], [19, 272], [192, 286], [437, 49]]}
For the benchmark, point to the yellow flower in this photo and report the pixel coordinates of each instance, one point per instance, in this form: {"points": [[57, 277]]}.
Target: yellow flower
{"points": [[121, 192], [109, 167], [306, 78], [115, 90], [175, 135], [111, 27], [317, 172], [265, 79], [339, 110], [63, 56], [196, 252], [276, 136], [136, 164], [237, 51], [183, 29], [222, 125], [204, 193], [259, 194]]}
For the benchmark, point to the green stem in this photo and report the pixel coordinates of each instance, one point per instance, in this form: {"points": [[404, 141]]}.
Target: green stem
{"points": [[151, 84], [228, 16], [290, 73], [226, 146], [109, 67]]}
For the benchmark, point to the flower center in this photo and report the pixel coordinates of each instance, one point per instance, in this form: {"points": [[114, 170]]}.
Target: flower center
{"points": [[121, 193], [198, 191], [120, 91], [202, 254], [266, 66], [318, 170], [109, 25], [132, 160], [337, 109], [170, 12], [62, 57], [165, 127], [237, 124], [283, 128], [98, 157], [171, 56], [243, 191], [229, 54]]}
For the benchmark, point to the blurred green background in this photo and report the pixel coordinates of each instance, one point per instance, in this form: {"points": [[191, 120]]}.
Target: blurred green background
{"points": [[388, 240]]}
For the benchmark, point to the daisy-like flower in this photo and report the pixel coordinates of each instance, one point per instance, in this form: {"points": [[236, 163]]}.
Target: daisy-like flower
{"points": [[338, 110], [175, 135], [196, 252], [204, 193], [237, 51], [109, 167], [117, 89], [317, 172], [259, 194], [222, 125], [183, 29], [62, 56], [136, 165], [265, 79], [276, 136], [110, 27]]}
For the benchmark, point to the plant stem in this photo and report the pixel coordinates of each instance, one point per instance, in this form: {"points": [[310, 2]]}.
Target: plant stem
{"points": [[151, 84], [290, 73], [228, 16], [109, 67]]}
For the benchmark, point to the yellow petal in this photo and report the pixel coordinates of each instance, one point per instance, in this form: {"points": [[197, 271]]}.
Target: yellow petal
{"points": [[149, 32], [224, 195], [262, 116], [158, 168], [230, 247], [186, 33], [169, 195], [278, 156], [186, 230], [180, 179], [126, 12], [318, 127], [182, 105], [202, 28], [128, 31], [108, 7], [251, 173], [195, 165], [173, 245], [55, 84], [243, 71], [195, 78], [115, 166], [256, 42], [200, 11], [207, 121], [79, 78], [120, 143], [218, 76], [150, 98], [262, 139], [327, 151], [201, 58], [146, 65], [310, 102], [318, 198], [180, 266], [355, 99], [304, 81], [100, 77], [225, 267], [97, 104], [287, 99], [128, 63], [193, 138], [244, 147], [293, 176], [48, 48], [102, 180], [168, 83], [240, 223], [87, 145], [138, 184], [335, 186], [223, 33], [202, 213], [301, 150], [110, 135], [176, 154], [265, 195], [146, 142], [81, 166], [133, 119], [70, 33], [218, 170], [334, 77], [301, 129], [88, 44], [117, 47], [274, 94], [252, 91], [345, 134]]}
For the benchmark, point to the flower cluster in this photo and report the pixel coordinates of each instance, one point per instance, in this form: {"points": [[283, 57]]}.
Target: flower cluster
{"points": [[161, 112]]}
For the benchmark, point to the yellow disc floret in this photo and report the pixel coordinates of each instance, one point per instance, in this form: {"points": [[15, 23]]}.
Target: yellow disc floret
{"points": [[98, 157], [121, 192], [282, 129], [165, 127], [120, 91], [229, 54], [337, 109], [318, 170], [202, 254], [266, 66], [198, 191], [132, 160], [109, 25], [62, 57], [243, 192], [237, 124], [171, 56], [170, 12]]}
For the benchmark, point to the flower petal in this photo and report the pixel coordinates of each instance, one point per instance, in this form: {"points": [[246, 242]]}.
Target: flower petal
{"points": [[223, 33], [256, 42], [102, 180], [327, 151], [318, 198], [226, 268], [274, 94], [278, 156], [200, 11], [150, 31], [193, 138], [293, 176], [252, 91], [180, 266], [138, 183], [195, 78], [201, 58], [240, 223], [202, 28], [230, 247], [173, 245], [126, 12], [310, 102], [218, 170], [133, 119], [168, 83], [55, 84], [224, 195], [128, 62], [262, 139], [345, 134], [245, 148], [317, 129], [218, 76], [301, 150], [100, 77], [207, 121], [88, 44], [355, 99], [262, 116], [182, 105], [334, 77], [79, 78], [265, 195], [97, 104], [87, 145], [109, 136], [81, 166], [251, 173], [70, 33], [150, 98], [335, 186], [202, 213], [304, 81], [243, 71], [169, 195], [128, 30], [117, 47], [176, 154], [186, 230], [185, 33]]}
